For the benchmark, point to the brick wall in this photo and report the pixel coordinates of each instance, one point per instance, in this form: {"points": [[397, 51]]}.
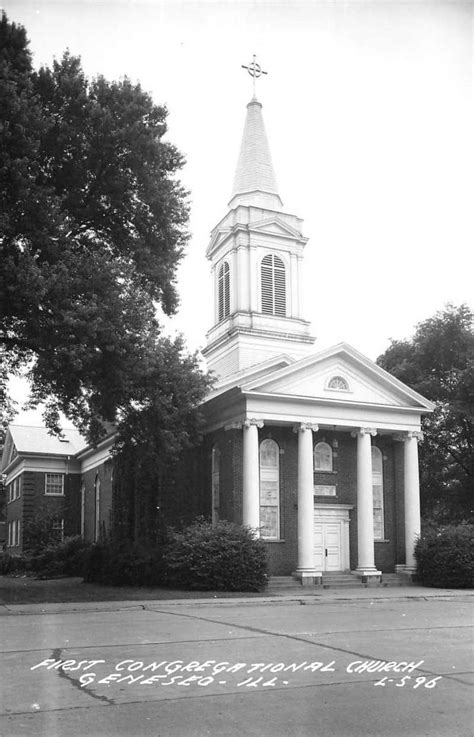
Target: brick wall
{"points": [[283, 554], [34, 505]]}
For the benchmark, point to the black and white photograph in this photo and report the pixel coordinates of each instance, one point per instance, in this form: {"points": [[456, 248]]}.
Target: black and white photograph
{"points": [[237, 368]]}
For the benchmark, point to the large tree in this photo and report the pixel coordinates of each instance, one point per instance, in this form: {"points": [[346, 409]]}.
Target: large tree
{"points": [[92, 228], [438, 362]]}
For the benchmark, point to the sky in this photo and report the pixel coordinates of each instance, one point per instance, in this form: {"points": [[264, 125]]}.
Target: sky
{"points": [[369, 111]]}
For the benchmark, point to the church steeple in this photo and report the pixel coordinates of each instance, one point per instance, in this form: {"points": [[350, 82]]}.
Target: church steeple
{"points": [[255, 181], [256, 252]]}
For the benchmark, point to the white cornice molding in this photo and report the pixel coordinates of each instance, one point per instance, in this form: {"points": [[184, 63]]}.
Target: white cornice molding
{"points": [[329, 401], [47, 464]]}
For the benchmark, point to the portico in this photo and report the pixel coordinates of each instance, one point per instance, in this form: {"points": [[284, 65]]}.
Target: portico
{"points": [[347, 511]]}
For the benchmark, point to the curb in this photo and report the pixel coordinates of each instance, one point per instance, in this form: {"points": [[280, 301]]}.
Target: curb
{"points": [[311, 599]]}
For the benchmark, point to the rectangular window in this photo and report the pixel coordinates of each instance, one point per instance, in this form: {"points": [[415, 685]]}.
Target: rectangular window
{"points": [[14, 489], [14, 533], [57, 528], [54, 484]]}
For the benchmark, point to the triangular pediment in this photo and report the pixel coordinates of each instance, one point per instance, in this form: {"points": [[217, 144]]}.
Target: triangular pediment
{"points": [[339, 374], [271, 226], [276, 226], [218, 237]]}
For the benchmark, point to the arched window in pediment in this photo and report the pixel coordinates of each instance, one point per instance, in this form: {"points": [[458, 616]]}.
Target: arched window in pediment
{"points": [[338, 383]]}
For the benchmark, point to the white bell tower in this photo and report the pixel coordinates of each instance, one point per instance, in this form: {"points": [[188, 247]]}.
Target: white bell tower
{"points": [[256, 252]]}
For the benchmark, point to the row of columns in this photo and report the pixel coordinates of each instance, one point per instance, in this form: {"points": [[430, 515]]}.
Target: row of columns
{"points": [[365, 526]]}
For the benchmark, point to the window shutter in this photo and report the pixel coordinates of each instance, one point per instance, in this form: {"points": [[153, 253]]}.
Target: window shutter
{"points": [[273, 284], [224, 291]]}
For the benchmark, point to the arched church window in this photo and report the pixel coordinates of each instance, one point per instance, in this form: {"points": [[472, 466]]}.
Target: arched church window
{"points": [[269, 490], [377, 491], [338, 382], [97, 508], [223, 290], [273, 285], [216, 483], [322, 457]]}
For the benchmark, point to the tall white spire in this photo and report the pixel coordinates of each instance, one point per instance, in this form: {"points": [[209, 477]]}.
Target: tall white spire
{"points": [[256, 252], [255, 181]]}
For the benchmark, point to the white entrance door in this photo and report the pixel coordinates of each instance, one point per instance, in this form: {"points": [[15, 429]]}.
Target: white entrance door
{"points": [[327, 546], [331, 537]]}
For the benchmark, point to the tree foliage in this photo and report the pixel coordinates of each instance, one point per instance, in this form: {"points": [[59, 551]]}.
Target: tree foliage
{"points": [[152, 464], [92, 228], [445, 557], [438, 362]]}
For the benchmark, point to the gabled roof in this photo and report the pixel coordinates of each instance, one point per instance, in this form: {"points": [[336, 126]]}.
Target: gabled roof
{"points": [[255, 373], [310, 377], [38, 440]]}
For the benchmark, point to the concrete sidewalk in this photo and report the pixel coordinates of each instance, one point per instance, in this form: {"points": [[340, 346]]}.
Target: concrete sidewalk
{"points": [[306, 596]]}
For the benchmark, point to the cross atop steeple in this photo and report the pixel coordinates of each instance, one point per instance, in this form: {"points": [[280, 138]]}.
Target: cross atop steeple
{"points": [[255, 71]]}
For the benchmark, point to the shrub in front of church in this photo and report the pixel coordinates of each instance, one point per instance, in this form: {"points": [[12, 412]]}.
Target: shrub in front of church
{"points": [[445, 557], [64, 558], [215, 557], [11, 565], [124, 564]]}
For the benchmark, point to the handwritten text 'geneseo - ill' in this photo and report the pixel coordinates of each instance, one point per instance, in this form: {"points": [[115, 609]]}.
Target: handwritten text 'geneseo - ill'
{"points": [[248, 675]]}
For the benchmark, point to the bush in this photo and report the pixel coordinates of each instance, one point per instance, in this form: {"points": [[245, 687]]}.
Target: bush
{"points": [[220, 557], [65, 558], [39, 534], [123, 564], [445, 557], [11, 564]]}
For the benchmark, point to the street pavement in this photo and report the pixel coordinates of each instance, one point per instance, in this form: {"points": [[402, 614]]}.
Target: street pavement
{"points": [[328, 664]]}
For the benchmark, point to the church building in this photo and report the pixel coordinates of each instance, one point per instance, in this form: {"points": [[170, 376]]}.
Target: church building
{"points": [[316, 451]]}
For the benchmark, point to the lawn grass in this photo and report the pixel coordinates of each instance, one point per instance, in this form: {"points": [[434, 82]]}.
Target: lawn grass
{"points": [[28, 590]]}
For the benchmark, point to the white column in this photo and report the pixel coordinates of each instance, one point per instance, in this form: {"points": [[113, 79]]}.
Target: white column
{"points": [[251, 482], [305, 568], [365, 504], [411, 497]]}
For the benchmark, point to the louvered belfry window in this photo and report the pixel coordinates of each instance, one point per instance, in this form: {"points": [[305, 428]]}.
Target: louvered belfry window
{"points": [[224, 291], [273, 286]]}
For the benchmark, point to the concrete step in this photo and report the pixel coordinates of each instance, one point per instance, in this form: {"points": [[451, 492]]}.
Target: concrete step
{"points": [[336, 581], [340, 581]]}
